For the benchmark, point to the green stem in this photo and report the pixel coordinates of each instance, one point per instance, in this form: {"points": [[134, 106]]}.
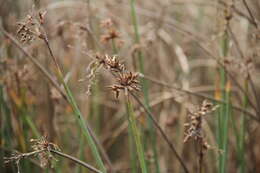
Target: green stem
{"points": [[145, 86], [83, 126], [77, 113], [132, 151], [241, 142], [136, 134], [225, 110], [131, 138]]}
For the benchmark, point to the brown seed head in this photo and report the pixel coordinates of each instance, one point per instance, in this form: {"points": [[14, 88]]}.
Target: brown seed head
{"points": [[127, 81]]}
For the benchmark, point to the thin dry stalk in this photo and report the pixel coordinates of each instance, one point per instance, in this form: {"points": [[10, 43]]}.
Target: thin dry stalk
{"points": [[42, 148], [249, 114]]}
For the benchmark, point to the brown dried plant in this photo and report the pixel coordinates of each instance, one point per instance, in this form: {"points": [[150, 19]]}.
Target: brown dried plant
{"points": [[194, 129], [30, 27], [194, 126], [237, 66], [41, 148], [110, 33], [110, 63], [127, 81]]}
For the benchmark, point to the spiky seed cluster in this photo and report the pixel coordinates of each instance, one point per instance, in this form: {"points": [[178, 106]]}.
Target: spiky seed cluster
{"points": [[42, 144], [194, 127], [41, 148], [111, 63], [30, 28], [127, 81]]}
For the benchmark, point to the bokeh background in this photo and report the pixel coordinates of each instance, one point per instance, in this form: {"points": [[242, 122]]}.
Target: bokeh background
{"points": [[202, 49]]}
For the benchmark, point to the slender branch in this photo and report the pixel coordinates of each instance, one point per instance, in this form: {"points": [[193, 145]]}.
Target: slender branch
{"points": [[76, 161], [55, 84], [162, 133], [240, 13], [35, 62], [84, 124], [46, 41], [19, 156], [249, 114], [250, 13], [198, 41], [228, 73], [249, 75]]}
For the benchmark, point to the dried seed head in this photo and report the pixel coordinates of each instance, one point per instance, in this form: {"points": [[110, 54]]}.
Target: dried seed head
{"points": [[110, 63], [41, 148], [127, 81], [194, 126], [110, 33], [42, 144], [30, 27]]}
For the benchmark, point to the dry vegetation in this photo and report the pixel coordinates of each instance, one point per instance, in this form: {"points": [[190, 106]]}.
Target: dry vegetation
{"points": [[130, 86]]}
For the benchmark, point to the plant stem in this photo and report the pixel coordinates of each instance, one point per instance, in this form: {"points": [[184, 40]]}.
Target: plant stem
{"points": [[136, 134], [241, 142], [167, 140], [77, 113], [76, 161], [145, 86], [224, 111], [131, 137]]}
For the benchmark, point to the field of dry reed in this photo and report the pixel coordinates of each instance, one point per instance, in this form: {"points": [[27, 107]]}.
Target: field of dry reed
{"points": [[139, 86]]}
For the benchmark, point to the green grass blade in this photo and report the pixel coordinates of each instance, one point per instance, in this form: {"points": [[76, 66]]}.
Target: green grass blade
{"points": [[84, 128], [132, 152], [225, 110], [137, 137], [145, 86], [241, 142]]}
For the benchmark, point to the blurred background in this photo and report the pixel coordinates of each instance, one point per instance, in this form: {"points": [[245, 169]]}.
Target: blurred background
{"points": [[201, 49]]}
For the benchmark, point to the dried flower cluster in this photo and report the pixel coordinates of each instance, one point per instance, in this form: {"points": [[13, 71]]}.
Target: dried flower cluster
{"points": [[42, 144], [194, 127], [41, 148], [126, 80], [110, 32], [110, 63], [30, 28]]}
